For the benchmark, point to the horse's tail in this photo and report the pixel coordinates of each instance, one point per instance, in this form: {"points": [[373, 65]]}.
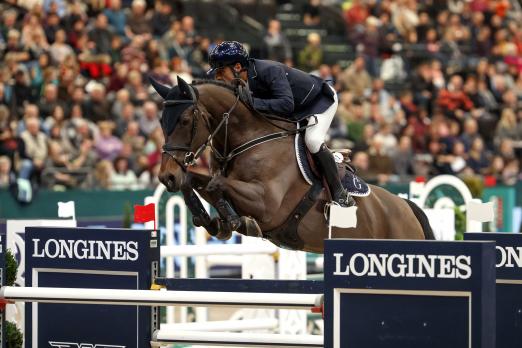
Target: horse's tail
{"points": [[423, 220]]}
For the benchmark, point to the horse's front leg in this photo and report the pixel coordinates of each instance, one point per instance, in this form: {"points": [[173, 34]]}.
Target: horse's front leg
{"points": [[247, 196], [215, 226]]}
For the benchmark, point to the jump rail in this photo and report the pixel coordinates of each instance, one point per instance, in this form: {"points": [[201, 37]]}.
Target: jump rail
{"points": [[217, 249], [160, 297], [237, 339]]}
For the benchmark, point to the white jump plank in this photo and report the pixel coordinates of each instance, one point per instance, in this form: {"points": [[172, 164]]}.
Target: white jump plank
{"points": [[217, 249], [237, 339], [160, 297]]}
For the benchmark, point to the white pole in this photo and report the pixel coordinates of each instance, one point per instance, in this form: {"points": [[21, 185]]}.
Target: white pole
{"points": [[170, 241], [217, 249], [238, 339], [159, 297], [224, 325]]}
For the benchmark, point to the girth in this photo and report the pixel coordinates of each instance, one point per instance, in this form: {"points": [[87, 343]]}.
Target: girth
{"points": [[286, 236]]}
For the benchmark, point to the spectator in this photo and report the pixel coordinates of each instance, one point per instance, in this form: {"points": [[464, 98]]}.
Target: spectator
{"points": [[149, 121], [49, 101], [453, 101], [138, 21], [136, 88], [122, 178], [116, 17], [107, 145], [381, 165], [101, 35], [276, 44], [508, 127], [52, 25], [188, 28], [311, 56], [393, 68], [361, 163], [102, 175], [124, 118], [132, 136], [405, 18], [162, 17], [470, 133], [35, 143], [7, 177], [403, 158], [56, 171], [312, 13], [355, 15], [356, 79], [13, 148], [478, 160], [55, 119], [179, 68], [386, 139], [97, 107]]}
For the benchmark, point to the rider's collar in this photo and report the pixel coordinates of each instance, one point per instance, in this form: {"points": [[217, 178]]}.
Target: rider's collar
{"points": [[252, 72]]}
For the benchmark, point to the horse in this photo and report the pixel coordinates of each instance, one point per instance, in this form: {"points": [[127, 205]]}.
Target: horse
{"points": [[254, 167]]}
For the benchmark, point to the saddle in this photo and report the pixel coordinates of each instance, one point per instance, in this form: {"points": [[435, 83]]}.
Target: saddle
{"points": [[310, 172]]}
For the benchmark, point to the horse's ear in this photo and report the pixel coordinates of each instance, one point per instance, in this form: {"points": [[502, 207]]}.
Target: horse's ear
{"points": [[186, 90], [183, 87], [162, 90]]}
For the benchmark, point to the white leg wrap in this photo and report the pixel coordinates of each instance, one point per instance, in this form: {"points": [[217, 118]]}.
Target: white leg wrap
{"points": [[315, 136]]}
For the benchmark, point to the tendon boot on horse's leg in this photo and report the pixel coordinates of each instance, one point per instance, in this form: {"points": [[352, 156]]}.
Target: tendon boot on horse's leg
{"points": [[328, 166], [233, 222]]}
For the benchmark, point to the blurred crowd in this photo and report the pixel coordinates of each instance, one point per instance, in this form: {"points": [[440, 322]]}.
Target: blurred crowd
{"points": [[435, 86]]}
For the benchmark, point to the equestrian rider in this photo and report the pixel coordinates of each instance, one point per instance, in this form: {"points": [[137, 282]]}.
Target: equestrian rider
{"points": [[278, 89]]}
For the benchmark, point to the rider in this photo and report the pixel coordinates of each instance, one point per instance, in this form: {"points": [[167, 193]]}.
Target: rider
{"points": [[287, 92]]}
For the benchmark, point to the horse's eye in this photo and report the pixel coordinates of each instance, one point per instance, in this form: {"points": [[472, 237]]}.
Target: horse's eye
{"points": [[185, 121]]}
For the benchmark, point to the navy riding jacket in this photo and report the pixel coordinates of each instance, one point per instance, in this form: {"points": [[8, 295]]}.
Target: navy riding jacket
{"points": [[284, 91]]}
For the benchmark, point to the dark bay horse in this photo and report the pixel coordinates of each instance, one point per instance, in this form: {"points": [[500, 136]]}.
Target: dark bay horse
{"points": [[262, 182]]}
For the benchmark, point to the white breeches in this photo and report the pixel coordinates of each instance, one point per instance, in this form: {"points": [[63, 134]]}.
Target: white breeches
{"points": [[315, 136]]}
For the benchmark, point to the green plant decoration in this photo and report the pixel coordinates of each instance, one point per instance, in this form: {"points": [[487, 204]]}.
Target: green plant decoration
{"points": [[14, 337], [11, 267], [475, 185], [460, 223], [127, 212]]}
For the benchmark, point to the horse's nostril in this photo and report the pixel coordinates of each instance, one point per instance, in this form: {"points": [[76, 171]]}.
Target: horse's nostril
{"points": [[169, 180]]}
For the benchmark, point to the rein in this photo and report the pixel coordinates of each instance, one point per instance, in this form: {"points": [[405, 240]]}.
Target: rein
{"points": [[223, 158]]}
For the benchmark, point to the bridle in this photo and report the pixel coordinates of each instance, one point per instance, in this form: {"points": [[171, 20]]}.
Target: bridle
{"points": [[190, 156]]}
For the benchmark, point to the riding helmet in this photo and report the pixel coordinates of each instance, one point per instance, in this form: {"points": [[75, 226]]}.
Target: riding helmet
{"points": [[227, 53]]}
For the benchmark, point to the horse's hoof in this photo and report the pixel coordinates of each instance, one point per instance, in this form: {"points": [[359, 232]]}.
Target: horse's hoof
{"points": [[215, 226], [197, 221], [224, 235], [250, 228]]}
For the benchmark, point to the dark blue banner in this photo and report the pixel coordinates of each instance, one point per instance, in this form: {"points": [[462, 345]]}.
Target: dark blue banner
{"points": [[399, 294], [509, 285], [89, 258]]}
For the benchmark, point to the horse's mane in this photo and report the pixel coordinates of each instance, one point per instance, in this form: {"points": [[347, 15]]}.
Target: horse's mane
{"points": [[219, 83]]}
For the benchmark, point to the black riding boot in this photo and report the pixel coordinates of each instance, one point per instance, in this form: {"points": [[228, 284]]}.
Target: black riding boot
{"points": [[328, 166]]}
